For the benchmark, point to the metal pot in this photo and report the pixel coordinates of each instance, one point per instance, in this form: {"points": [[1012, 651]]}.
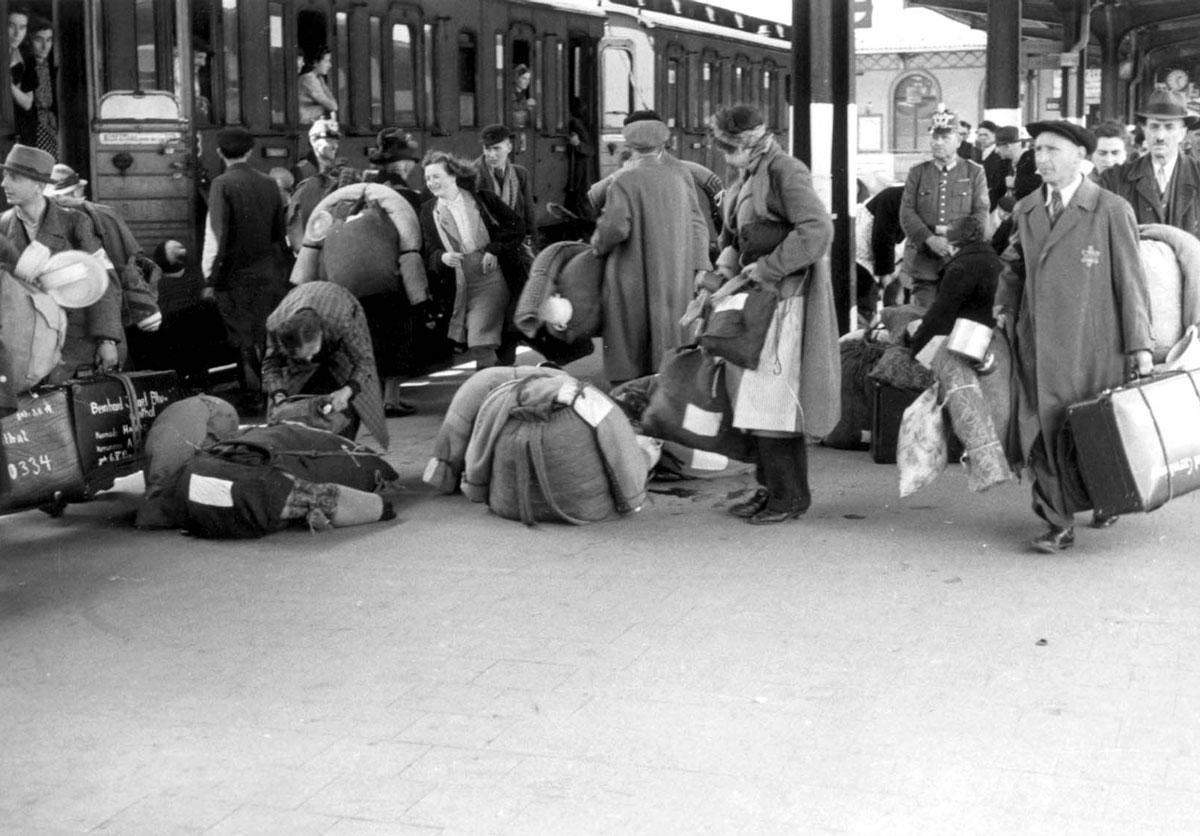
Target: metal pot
{"points": [[969, 339]]}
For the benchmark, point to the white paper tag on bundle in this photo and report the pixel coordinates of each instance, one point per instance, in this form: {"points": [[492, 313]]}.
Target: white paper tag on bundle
{"points": [[209, 490], [925, 355], [731, 303], [592, 407], [701, 421], [704, 460]]}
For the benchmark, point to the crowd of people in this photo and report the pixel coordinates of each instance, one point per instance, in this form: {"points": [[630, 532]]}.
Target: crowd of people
{"points": [[1040, 241]]}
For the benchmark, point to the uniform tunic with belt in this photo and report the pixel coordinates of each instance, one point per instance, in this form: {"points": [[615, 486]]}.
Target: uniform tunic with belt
{"points": [[934, 197], [797, 386]]}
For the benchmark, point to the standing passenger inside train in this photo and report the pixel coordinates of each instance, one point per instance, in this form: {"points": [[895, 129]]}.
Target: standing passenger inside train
{"points": [[42, 118], [776, 233], [24, 79], [653, 237], [499, 175], [472, 244], [316, 99], [244, 247], [522, 96]]}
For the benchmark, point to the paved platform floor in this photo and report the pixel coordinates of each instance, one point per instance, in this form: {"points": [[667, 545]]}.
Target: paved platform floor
{"points": [[878, 667]]}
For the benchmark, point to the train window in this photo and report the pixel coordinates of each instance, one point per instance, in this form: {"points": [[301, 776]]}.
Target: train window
{"points": [[559, 60], [501, 96], [374, 49], [232, 76], [427, 84], [768, 104], [914, 101], [708, 90], [523, 116], [341, 24], [147, 50], [673, 80], [616, 68], [468, 56], [277, 64], [403, 75], [549, 81]]}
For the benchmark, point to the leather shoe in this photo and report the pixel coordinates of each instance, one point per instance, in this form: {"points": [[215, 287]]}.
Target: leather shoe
{"points": [[1100, 520], [747, 508], [1055, 540], [767, 516]]}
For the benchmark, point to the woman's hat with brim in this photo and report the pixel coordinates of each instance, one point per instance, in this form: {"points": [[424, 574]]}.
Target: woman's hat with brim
{"points": [[64, 180], [74, 279], [1078, 134], [30, 162], [394, 146], [1166, 104]]}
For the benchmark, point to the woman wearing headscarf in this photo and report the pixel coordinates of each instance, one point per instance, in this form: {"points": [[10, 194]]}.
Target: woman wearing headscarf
{"points": [[316, 99], [776, 234], [472, 243]]}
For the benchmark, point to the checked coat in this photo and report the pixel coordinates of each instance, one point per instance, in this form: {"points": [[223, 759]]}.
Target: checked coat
{"points": [[345, 351]]}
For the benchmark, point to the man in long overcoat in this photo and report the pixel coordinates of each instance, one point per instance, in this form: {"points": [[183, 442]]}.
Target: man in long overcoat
{"points": [[1074, 284], [655, 238]]}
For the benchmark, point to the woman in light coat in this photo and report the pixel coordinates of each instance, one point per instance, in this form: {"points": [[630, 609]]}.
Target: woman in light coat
{"points": [[776, 234], [316, 99]]}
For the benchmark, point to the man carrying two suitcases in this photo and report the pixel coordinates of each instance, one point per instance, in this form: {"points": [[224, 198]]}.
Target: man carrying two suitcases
{"points": [[1074, 293]]}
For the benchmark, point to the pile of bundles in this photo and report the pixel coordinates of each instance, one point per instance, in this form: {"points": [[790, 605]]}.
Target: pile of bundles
{"points": [[214, 480], [537, 445], [559, 310]]}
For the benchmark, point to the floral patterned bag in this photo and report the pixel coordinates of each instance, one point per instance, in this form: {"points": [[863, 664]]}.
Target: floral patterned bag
{"points": [[921, 451]]}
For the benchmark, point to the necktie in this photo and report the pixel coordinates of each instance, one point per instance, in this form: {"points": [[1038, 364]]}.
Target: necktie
{"points": [[1056, 205], [498, 173], [1160, 174]]}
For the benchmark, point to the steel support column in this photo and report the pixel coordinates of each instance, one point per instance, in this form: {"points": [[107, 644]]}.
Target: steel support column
{"points": [[1002, 98], [824, 127]]}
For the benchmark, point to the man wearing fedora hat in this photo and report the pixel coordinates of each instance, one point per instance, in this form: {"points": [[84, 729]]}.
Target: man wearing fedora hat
{"points": [[1074, 299], [397, 156], [93, 332], [1163, 185]]}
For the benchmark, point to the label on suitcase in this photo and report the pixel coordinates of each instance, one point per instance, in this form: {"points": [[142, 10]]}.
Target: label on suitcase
{"points": [[1138, 446], [109, 441], [39, 444], [887, 409]]}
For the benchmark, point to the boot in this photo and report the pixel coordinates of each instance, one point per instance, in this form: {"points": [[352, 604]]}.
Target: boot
{"points": [[785, 466], [757, 501]]}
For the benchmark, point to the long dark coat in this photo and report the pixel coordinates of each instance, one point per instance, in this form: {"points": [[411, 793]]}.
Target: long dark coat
{"points": [[654, 236], [1135, 182], [1080, 305]]}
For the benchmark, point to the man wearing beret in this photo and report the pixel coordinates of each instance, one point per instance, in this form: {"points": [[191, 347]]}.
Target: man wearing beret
{"points": [[94, 332], [937, 192], [1074, 300], [1163, 185], [654, 240], [244, 253]]}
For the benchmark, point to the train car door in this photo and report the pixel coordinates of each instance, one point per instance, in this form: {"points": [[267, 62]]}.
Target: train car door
{"points": [[143, 156]]}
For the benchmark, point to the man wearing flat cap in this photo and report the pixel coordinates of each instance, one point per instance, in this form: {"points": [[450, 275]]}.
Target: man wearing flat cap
{"points": [[654, 240], [33, 223], [1163, 185], [496, 173], [937, 193], [244, 253], [1074, 300]]}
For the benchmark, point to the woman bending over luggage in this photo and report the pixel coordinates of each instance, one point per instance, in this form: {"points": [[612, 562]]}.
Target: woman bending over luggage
{"points": [[472, 243], [776, 232]]}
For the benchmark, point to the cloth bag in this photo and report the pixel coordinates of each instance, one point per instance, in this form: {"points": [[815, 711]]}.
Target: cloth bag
{"points": [[737, 325], [362, 248], [33, 328], [309, 410], [689, 404], [922, 448]]}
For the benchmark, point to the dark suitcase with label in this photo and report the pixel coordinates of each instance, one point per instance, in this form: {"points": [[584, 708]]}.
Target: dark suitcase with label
{"points": [[887, 408], [68, 442], [1138, 446]]}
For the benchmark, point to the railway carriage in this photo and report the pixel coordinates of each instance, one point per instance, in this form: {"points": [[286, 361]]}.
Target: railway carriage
{"points": [[144, 85]]}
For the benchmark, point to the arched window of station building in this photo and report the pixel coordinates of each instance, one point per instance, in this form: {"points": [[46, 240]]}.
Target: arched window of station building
{"points": [[468, 74], [915, 97], [403, 65]]}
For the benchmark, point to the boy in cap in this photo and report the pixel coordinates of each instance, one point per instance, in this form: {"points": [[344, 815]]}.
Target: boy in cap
{"points": [[244, 250], [94, 332], [1073, 296], [1162, 185], [937, 192], [497, 174]]}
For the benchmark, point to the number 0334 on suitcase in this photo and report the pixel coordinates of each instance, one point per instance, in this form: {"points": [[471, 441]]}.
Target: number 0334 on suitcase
{"points": [[1139, 445]]}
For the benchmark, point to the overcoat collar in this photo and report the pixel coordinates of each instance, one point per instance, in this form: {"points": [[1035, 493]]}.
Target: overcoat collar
{"points": [[1083, 202]]}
